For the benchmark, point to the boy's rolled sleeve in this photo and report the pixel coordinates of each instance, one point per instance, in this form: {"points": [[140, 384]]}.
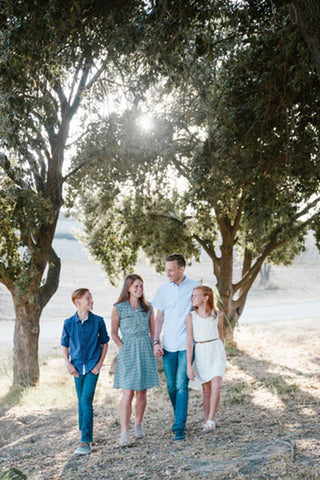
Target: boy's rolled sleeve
{"points": [[65, 337], [104, 337]]}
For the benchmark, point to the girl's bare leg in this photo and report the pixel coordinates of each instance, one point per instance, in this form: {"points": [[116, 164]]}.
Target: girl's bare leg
{"points": [[216, 383], [125, 409], [206, 395], [141, 402]]}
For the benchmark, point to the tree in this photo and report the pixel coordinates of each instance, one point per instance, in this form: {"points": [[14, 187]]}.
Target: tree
{"points": [[243, 132], [306, 14], [52, 53]]}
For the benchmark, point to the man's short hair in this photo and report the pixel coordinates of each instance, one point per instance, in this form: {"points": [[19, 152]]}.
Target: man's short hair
{"points": [[178, 257]]}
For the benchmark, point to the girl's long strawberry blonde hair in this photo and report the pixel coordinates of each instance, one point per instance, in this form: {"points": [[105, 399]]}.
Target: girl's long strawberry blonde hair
{"points": [[208, 292]]}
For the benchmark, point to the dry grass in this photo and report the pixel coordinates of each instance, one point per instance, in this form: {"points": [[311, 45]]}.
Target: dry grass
{"points": [[268, 421]]}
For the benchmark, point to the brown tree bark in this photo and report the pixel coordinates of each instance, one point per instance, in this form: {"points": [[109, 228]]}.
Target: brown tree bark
{"points": [[28, 308], [26, 337], [225, 289], [224, 283]]}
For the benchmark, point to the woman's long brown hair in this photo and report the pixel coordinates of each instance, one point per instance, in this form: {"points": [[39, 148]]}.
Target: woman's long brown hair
{"points": [[125, 295], [208, 292]]}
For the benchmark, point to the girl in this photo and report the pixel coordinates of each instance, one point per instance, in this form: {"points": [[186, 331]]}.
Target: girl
{"points": [[205, 329], [136, 368]]}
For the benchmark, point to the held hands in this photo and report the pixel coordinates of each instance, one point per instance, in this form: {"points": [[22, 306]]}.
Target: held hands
{"points": [[157, 350], [190, 373]]}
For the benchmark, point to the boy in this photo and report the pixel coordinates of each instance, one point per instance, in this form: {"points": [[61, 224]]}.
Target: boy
{"points": [[85, 341]]}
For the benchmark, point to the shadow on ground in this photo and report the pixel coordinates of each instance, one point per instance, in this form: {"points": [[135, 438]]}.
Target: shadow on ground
{"points": [[267, 428]]}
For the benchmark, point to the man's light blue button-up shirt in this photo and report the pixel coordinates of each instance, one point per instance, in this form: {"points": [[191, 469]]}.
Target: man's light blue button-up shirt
{"points": [[175, 301]]}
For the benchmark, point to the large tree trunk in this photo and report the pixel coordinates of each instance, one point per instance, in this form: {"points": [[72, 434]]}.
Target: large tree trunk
{"points": [[225, 288], [28, 308], [233, 297], [26, 336]]}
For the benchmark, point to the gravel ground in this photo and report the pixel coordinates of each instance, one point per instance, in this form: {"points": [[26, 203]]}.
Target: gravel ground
{"points": [[268, 420]]}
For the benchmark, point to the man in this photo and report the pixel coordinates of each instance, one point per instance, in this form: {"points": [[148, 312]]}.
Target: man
{"points": [[173, 302]]}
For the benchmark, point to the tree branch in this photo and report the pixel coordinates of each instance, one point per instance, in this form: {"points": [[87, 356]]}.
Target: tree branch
{"points": [[245, 283], [75, 77], [36, 171], [238, 217], [181, 168], [210, 251], [75, 170], [307, 208], [63, 99], [96, 76], [52, 280], [69, 145], [81, 86], [212, 254], [247, 261]]}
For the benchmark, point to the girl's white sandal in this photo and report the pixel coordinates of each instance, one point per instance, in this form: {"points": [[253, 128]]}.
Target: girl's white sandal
{"points": [[209, 426]]}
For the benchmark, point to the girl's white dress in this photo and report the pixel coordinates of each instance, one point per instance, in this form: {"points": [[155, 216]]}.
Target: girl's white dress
{"points": [[210, 357]]}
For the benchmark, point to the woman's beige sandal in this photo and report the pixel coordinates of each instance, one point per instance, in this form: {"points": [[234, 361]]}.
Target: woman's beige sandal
{"points": [[138, 431], [124, 439]]}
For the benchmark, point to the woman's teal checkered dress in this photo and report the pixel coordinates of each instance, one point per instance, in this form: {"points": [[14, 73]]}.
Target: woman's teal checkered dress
{"points": [[136, 366]]}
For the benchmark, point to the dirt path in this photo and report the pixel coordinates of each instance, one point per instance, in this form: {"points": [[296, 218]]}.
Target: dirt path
{"points": [[268, 422]]}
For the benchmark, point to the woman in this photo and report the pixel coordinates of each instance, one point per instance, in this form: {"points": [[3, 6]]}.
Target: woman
{"points": [[136, 369]]}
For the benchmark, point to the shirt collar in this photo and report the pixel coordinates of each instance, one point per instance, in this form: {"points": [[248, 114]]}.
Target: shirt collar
{"points": [[77, 319], [180, 284]]}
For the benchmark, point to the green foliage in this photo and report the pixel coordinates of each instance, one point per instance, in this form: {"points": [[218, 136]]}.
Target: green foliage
{"points": [[262, 143], [23, 214], [51, 54], [47, 63], [118, 200], [107, 239], [238, 98]]}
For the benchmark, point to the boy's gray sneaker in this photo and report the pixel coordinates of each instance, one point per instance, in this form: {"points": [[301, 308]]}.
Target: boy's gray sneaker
{"points": [[83, 449]]}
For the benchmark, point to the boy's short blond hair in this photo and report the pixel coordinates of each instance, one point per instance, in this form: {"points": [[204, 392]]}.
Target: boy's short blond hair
{"points": [[79, 293]]}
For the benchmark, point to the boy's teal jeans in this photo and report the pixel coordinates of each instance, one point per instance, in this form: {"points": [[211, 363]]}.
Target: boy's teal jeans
{"points": [[85, 387]]}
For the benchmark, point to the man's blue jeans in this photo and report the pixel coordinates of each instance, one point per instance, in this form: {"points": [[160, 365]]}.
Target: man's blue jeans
{"points": [[175, 369], [85, 387]]}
